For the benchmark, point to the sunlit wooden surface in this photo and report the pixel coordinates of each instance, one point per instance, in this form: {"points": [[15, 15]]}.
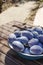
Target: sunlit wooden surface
{"points": [[38, 21], [8, 56]]}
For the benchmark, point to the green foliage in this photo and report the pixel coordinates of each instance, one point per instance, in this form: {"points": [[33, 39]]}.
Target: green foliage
{"points": [[41, 0], [0, 2], [0, 6]]}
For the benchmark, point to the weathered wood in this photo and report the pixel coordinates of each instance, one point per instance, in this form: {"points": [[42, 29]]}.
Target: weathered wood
{"points": [[1, 45], [5, 32], [14, 23], [9, 25], [1, 63], [11, 29], [4, 41], [17, 24], [15, 59], [8, 56], [10, 60], [41, 61], [6, 60], [5, 50]]}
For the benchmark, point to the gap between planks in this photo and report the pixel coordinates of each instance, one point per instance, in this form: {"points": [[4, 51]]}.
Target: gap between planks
{"points": [[8, 31]]}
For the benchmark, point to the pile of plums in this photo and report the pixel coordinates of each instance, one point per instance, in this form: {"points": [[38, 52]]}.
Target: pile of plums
{"points": [[29, 41]]}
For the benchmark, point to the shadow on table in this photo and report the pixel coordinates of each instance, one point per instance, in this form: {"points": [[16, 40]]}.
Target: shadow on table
{"points": [[9, 59], [13, 59]]}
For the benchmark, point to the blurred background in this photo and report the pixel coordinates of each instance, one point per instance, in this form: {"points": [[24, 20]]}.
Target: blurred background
{"points": [[29, 7], [4, 4]]}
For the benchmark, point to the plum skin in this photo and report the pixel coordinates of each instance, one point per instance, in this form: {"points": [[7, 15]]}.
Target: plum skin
{"points": [[23, 40], [41, 38], [18, 46], [33, 41], [35, 34], [28, 34], [36, 49], [11, 38], [17, 33], [38, 29], [26, 50], [40, 44]]}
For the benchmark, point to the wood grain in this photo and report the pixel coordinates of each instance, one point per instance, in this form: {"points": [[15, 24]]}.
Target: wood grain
{"points": [[7, 55], [1, 63]]}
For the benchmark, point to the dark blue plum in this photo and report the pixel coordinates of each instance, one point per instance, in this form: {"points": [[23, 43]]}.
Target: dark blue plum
{"points": [[18, 46], [35, 34], [23, 40], [17, 33], [32, 42], [28, 34], [41, 38], [38, 29], [27, 51], [36, 50], [11, 38], [40, 44]]}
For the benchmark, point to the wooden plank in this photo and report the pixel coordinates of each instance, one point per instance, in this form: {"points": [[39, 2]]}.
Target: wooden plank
{"points": [[14, 23], [5, 32], [1, 63], [9, 52], [20, 25], [41, 61], [4, 41], [6, 60], [11, 29], [1, 45], [17, 24], [9, 60], [4, 49]]}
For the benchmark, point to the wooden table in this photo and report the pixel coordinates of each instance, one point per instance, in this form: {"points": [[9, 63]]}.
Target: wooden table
{"points": [[8, 56]]}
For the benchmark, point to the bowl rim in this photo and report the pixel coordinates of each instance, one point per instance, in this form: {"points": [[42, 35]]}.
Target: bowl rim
{"points": [[10, 45]]}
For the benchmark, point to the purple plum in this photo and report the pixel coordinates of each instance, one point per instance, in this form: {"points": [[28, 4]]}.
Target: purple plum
{"points": [[17, 33], [38, 29], [26, 51], [32, 42], [41, 38], [11, 38], [35, 34], [23, 40], [40, 44], [28, 34], [36, 50], [18, 46]]}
